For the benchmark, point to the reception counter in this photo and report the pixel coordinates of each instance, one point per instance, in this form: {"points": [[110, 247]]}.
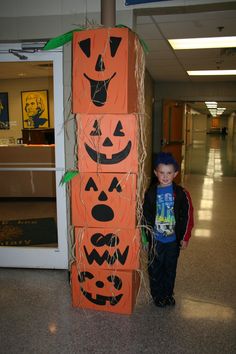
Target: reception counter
{"points": [[27, 183]]}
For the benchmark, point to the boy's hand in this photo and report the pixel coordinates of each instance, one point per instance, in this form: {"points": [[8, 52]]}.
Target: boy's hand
{"points": [[183, 245]]}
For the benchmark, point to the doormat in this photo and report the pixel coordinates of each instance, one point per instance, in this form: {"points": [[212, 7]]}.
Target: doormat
{"points": [[28, 232]]}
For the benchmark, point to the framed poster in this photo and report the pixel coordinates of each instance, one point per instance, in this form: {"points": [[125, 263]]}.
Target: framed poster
{"points": [[4, 112], [35, 110]]}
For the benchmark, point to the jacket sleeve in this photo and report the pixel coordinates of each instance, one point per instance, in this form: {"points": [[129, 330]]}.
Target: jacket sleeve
{"points": [[149, 212], [189, 219]]}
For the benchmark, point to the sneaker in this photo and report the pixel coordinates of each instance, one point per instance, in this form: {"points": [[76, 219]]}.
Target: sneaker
{"points": [[170, 300], [160, 303]]}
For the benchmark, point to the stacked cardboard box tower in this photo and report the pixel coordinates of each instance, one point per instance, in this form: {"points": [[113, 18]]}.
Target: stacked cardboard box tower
{"points": [[105, 274]]}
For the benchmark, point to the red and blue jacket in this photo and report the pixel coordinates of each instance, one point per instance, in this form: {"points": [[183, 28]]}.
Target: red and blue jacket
{"points": [[183, 212]]}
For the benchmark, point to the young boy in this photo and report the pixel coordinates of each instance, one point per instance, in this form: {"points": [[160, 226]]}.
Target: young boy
{"points": [[168, 217]]}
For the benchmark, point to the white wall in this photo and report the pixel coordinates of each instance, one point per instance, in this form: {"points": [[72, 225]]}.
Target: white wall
{"points": [[231, 125], [46, 19]]}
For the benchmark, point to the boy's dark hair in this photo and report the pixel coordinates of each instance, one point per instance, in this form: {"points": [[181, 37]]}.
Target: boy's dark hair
{"points": [[166, 158]]}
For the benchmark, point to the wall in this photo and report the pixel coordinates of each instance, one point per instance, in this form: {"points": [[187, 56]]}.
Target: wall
{"points": [[149, 100], [200, 127], [14, 88], [231, 125], [46, 19]]}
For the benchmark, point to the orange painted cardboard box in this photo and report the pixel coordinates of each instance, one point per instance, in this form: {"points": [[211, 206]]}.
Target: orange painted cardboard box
{"points": [[107, 143], [104, 200], [107, 248], [105, 290], [104, 71]]}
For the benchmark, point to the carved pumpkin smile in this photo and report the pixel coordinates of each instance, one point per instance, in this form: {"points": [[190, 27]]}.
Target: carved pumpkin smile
{"points": [[107, 248], [103, 159], [99, 90], [101, 299], [111, 240]]}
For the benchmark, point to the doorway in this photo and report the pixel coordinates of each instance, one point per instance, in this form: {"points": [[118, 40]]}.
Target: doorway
{"points": [[33, 222]]}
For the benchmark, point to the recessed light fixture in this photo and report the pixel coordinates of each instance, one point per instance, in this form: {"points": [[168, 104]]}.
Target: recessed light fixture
{"points": [[211, 104], [213, 109], [210, 72], [203, 43]]}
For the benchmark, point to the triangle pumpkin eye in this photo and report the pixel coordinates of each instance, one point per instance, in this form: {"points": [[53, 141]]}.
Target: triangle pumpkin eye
{"points": [[97, 130], [85, 46], [118, 129], [114, 45], [91, 184], [115, 185]]}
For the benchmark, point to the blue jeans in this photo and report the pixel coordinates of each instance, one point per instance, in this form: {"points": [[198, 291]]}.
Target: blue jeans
{"points": [[163, 258]]}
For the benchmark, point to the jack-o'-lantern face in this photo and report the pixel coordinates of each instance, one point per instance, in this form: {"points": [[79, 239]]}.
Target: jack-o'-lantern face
{"points": [[103, 199], [104, 290], [102, 158], [100, 299], [99, 82], [103, 70], [107, 248], [102, 211], [107, 144]]}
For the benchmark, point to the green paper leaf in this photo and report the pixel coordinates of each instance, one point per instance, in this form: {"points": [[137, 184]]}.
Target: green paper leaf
{"points": [[68, 176], [144, 237], [144, 45], [122, 26], [60, 40]]}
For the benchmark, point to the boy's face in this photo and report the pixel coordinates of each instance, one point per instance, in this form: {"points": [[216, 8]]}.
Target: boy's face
{"points": [[165, 174]]}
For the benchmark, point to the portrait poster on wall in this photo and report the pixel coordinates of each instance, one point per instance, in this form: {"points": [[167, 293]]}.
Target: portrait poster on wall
{"points": [[35, 110], [4, 111]]}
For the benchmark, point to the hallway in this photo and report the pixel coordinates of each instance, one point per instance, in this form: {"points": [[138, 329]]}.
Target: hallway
{"points": [[35, 305]]}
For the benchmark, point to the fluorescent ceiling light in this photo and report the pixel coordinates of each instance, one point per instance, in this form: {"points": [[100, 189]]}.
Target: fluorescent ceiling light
{"points": [[211, 105], [213, 112], [203, 43], [211, 72]]}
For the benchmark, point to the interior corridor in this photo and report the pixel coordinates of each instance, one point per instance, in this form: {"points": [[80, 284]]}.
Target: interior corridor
{"points": [[35, 305]]}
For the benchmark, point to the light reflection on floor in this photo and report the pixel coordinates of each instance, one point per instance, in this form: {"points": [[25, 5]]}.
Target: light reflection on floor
{"points": [[211, 179], [197, 309], [213, 156]]}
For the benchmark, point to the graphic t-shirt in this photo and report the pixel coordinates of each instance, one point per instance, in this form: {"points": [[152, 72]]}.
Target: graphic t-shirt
{"points": [[165, 219]]}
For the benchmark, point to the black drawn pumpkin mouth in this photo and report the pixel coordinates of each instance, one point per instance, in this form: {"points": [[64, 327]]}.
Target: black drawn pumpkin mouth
{"points": [[102, 212], [102, 159], [110, 259], [101, 299], [99, 90]]}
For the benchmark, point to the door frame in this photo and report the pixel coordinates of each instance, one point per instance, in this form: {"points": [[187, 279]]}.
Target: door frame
{"points": [[49, 258]]}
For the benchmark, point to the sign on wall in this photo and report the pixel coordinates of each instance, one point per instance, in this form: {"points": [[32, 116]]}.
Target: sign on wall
{"points": [[35, 111], [4, 114]]}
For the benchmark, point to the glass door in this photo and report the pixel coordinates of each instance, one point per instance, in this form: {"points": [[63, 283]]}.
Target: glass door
{"points": [[33, 219]]}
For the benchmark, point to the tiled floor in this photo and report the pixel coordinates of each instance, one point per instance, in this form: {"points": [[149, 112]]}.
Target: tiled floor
{"points": [[36, 315]]}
